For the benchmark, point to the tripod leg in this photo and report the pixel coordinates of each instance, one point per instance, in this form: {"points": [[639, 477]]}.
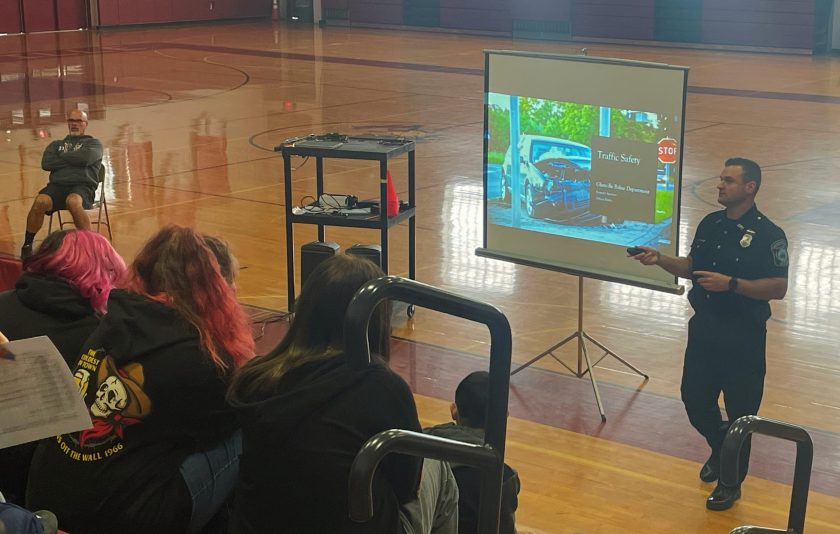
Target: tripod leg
{"points": [[616, 356], [544, 353], [594, 382]]}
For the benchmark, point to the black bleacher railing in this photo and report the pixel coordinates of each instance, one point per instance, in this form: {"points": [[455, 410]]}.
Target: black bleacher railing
{"points": [[730, 458], [490, 457]]}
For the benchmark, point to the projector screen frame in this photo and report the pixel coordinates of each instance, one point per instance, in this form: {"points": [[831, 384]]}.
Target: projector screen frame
{"points": [[560, 266], [493, 255]]}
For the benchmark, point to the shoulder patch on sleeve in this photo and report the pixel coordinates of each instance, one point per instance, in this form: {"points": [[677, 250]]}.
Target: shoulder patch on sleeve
{"points": [[780, 253]]}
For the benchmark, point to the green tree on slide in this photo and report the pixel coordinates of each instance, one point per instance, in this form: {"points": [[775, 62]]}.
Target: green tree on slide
{"points": [[577, 122], [563, 120]]}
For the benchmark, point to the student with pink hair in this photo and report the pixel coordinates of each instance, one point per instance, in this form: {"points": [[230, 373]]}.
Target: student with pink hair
{"points": [[63, 290], [163, 453]]}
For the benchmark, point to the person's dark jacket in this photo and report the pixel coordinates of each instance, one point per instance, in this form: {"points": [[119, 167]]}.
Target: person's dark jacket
{"points": [[73, 160], [43, 305], [469, 483], [154, 398], [299, 444], [40, 305]]}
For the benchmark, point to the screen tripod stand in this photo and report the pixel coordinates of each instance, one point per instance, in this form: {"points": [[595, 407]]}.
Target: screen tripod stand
{"points": [[583, 355]]}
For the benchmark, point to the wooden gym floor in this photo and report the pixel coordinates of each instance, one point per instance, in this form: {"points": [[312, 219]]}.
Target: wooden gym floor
{"points": [[189, 116]]}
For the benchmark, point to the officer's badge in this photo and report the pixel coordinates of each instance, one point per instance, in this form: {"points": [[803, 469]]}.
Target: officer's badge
{"points": [[746, 239], [780, 253]]}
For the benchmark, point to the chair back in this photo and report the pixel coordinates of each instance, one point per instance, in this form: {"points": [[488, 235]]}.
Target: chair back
{"points": [[488, 458], [730, 454], [98, 203], [101, 177]]}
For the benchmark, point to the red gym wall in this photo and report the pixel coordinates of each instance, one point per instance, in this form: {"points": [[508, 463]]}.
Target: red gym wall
{"points": [[120, 12], [28, 16]]}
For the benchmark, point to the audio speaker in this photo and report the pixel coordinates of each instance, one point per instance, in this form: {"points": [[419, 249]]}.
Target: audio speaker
{"points": [[370, 252], [312, 254]]}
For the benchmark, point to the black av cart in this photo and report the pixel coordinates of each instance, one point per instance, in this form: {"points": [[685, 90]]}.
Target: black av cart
{"points": [[325, 146]]}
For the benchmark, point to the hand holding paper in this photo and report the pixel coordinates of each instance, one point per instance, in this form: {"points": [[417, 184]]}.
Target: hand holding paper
{"points": [[5, 353], [38, 396]]}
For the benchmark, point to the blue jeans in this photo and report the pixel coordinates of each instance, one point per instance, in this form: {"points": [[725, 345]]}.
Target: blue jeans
{"points": [[210, 476]]}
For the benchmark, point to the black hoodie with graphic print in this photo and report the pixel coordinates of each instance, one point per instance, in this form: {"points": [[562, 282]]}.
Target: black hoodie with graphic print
{"points": [[154, 398]]}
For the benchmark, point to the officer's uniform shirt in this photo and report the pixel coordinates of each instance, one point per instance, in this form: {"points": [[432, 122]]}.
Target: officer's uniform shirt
{"points": [[749, 248]]}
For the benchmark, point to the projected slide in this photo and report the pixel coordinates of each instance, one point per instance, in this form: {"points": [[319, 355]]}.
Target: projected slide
{"points": [[585, 171], [582, 159]]}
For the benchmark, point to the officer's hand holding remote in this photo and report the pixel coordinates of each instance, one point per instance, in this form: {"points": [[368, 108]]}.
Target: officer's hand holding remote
{"points": [[645, 255]]}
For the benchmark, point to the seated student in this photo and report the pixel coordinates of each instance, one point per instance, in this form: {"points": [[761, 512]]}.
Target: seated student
{"points": [[63, 291], [162, 455], [469, 411], [61, 294], [305, 414], [228, 264]]}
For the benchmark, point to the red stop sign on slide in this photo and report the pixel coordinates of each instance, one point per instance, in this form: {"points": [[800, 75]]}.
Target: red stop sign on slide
{"points": [[668, 150]]}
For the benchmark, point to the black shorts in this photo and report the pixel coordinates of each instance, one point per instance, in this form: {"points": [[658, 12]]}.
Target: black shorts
{"points": [[59, 193]]}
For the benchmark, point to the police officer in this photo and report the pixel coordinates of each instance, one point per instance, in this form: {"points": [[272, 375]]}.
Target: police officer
{"points": [[738, 262]]}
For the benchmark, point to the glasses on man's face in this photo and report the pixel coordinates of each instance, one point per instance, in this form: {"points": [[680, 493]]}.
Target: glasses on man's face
{"points": [[76, 121]]}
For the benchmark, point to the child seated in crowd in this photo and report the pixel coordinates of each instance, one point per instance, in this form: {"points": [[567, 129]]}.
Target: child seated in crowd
{"points": [[469, 412]]}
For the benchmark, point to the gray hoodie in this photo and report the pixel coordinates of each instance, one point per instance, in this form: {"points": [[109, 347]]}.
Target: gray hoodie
{"points": [[76, 159]]}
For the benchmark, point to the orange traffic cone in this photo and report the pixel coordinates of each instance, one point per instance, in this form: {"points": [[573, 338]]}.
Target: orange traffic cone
{"points": [[393, 201]]}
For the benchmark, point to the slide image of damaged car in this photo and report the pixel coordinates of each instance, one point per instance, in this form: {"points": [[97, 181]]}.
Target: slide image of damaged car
{"points": [[554, 175]]}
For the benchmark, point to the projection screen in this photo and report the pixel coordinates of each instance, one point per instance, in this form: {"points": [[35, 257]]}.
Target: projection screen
{"points": [[598, 144]]}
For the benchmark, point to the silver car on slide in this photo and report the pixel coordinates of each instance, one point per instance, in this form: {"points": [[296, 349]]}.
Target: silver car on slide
{"points": [[553, 173]]}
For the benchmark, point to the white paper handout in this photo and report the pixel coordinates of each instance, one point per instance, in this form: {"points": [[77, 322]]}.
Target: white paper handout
{"points": [[38, 396]]}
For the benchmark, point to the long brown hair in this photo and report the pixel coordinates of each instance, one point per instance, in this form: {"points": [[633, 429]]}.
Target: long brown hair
{"points": [[177, 268], [317, 330]]}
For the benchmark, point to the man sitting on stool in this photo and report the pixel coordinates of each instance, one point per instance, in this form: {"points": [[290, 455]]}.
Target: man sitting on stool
{"points": [[74, 164]]}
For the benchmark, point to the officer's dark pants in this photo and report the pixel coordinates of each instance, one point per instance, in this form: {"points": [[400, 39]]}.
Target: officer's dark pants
{"points": [[725, 354]]}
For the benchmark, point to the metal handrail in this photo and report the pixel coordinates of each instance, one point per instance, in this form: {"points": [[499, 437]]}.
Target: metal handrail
{"points": [[759, 530], [489, 457], [412, 444], [730, 469]]}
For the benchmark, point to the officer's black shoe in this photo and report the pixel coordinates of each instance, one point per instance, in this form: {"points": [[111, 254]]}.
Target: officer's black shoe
{"points": [[711, 469], [723, 497], [25, 251]]}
